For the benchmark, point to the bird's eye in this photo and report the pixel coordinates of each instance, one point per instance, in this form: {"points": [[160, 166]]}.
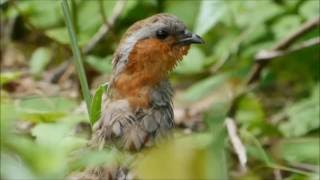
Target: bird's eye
{"points": [[162, 34]]}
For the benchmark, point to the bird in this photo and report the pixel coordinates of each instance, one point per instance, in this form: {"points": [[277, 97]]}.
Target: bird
{"points": [[138, 110]]}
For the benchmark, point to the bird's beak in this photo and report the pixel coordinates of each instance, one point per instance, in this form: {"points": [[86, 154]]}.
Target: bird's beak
{"points": [[187, 38]]}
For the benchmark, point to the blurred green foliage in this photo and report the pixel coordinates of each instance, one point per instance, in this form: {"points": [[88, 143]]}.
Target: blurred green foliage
{"points": [[278, 121], [39, 60]]}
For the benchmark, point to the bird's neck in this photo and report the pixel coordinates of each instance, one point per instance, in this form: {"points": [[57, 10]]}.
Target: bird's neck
{"points": [[148, 64], [136, 86]]}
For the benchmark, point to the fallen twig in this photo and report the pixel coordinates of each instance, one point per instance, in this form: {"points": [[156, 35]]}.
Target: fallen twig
{"points": [[255, 72], [278, 50], [306, 27], [268, 55], [277, 174], [58, 72], [305, 167], [236, 143]]}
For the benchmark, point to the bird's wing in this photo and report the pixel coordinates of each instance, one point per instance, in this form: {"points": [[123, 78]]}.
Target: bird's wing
{"points": [[134, 129], [121, 126], [162, 107]]}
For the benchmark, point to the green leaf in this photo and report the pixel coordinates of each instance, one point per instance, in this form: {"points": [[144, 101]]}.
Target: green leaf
{"points": [[252, 117], [250, 112], [95, 111], [224, 45], [297, 70], [193, 63], [44, 162], [45, 109], [300, 150], [93, 158], [49, 134], [286, 25], [8, 116], [181, 158], [303, 116], [6, 77], [86, 11], [254, 34], [248, 13], [204, 87], [255, 148], [215, 118], [184, 10], [310, 9], [103, 65], [13, 168], [212, 9], [42, 14], [39, 60], [59, 34], [57, 135]]}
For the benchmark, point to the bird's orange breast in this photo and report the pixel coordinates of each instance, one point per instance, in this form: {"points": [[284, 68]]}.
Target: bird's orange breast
{"points": [[149, 62]]}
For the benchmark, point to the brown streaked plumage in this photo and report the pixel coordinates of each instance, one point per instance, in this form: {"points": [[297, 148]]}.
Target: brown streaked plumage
{"points": [[139, 107]]}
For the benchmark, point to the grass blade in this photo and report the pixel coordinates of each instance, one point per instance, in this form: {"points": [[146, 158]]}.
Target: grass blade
{"points": [[77, 54]]}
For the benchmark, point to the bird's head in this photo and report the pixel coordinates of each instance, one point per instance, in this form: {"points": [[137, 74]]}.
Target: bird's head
{"points": [[161, 39], [147, 52]]}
